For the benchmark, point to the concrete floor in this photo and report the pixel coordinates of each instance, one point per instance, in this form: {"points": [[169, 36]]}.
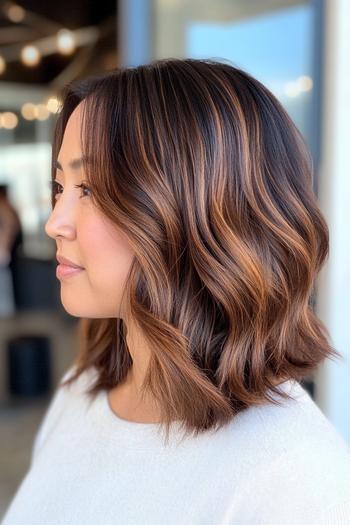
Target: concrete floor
{"points": [[20, 418]]}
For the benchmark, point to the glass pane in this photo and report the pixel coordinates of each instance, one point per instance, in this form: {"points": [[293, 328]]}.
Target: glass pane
{"points": [[273, 41]]}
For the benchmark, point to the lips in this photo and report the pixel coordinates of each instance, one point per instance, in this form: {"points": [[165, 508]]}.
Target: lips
{"points": [[64, 271], [67, 268], [67, 262]]}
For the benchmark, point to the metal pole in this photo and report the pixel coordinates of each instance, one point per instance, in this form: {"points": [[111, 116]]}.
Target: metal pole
{"points": [[135, 34]]}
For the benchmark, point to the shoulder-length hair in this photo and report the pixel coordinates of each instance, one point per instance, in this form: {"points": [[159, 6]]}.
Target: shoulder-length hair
{"points": [[203, 169]]}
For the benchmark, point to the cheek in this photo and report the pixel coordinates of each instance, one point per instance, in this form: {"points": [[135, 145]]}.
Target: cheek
{"points": [[107, 255]]}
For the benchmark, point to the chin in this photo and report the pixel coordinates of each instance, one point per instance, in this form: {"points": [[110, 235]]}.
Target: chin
{"points": [[78, 311], [73, 311]]}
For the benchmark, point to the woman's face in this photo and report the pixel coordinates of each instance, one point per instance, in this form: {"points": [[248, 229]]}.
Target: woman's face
{"points": [[86, 237]]}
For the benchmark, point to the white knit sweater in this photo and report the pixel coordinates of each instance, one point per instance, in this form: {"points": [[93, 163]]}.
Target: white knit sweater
{"points": [[270, 466]]}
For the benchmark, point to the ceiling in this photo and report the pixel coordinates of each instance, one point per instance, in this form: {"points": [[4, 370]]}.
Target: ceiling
{"points": [[43, 19]]}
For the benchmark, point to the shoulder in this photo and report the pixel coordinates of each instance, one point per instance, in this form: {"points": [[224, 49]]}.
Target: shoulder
{"points": [[63, 396], [302, 464], [311, 480], [291, 459], [337, 514], [295, 423]]}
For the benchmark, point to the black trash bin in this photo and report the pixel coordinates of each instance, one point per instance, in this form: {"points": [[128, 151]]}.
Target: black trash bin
{"points": [[29, 365]]}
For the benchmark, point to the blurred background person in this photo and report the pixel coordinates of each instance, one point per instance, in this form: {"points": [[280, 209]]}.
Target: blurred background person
{"points": [[10, 239]]}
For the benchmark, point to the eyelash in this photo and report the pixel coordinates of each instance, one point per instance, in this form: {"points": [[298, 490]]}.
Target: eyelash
{"points": [[54, 185]]}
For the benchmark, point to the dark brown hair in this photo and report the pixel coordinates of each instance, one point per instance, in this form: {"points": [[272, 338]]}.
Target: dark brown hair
{"points": [[203, 169]]}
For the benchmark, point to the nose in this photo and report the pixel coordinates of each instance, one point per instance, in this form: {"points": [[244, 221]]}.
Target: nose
{"points": [[61, 221]]}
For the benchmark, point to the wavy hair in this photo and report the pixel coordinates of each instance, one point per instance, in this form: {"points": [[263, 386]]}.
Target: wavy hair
{"points": [[202, 168]]}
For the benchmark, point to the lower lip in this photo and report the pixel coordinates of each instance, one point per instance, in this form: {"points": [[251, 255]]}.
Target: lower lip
{"points": [[63, 271]]}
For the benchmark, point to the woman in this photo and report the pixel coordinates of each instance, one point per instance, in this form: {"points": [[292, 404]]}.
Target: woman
{"points": [[182, 199], [10, 240]]}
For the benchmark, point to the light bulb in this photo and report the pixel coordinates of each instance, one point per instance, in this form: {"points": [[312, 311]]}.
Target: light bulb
{"points": [[30, 55], [9, 120], [66, 42]]}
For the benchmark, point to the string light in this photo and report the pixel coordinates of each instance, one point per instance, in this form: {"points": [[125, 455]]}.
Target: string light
{"points": [[8, 120], [63, 40], [305, 83], [41, 112], [301, 84], [66, 41], [15, 13], [28, 111], [53, 105], [30, 55]]}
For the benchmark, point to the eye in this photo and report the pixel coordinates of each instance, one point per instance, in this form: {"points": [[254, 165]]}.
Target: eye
{"points": [[84, 188], [55, 187]]}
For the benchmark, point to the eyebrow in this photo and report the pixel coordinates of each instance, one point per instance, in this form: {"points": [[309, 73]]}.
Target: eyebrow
{"points": [[74, 164]]}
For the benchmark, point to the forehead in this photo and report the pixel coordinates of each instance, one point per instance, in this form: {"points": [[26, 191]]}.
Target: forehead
{"points": [[71, 144]]}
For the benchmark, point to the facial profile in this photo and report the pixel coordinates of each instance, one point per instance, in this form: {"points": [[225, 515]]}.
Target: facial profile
{"points": [[85, 236]]}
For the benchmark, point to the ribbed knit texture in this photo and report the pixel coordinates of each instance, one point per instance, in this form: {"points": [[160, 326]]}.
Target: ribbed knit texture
{"points": [[270, 465]]}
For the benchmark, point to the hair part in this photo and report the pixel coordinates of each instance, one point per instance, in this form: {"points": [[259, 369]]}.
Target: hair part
{"points": [[202, 168]]}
